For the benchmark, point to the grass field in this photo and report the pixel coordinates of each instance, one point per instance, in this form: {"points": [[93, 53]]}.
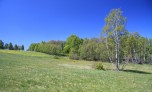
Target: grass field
{"points": [[37, 72]]}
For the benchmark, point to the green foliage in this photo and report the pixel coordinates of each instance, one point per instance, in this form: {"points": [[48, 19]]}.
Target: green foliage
{"points": [[33, 47], [1, 44], [72, 46], [98, 66], [51, 47], [6, 46], [73, 54], [135, 48], [10, 46], [114, 28], [150, 46], [22, 47], [72, 42], [114, 22], [90, 49], [16, 47]]}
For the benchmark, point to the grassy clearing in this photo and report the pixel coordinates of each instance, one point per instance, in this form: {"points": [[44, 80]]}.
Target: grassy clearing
{"points": [[31, 71]]}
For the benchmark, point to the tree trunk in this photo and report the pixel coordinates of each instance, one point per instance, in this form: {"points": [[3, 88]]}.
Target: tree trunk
{"points": [[125, 62], [144, 54], [108, 50], [135, 56], [150, 59], [110, 59], [140, 59], [144, 58], [132, 59], [117, 52], [118, 57]]}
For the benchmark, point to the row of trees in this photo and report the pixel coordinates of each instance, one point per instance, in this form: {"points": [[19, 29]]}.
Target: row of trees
{"points": [[115, 45], [10, 46], [120, 44], [51, 47], [133, 48]]}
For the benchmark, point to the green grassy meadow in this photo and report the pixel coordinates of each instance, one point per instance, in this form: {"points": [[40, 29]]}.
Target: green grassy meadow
{"points": [[22, 71]]}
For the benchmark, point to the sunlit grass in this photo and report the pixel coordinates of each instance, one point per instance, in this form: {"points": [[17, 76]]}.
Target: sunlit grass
{"points": [[38, 72], [26, 53]]}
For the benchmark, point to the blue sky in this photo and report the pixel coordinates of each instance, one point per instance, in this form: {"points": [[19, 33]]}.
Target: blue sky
{"points": [[28, 21]]}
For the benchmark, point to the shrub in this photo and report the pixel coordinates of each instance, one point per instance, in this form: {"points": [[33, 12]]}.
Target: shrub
{"points": [[98, 66], [73, 54]]}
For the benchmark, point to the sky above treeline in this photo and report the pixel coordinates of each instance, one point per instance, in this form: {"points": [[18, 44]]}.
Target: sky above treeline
{"points": [[31, 21]]}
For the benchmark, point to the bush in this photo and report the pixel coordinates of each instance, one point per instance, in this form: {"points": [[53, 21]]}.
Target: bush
{"points": [[98, 66], [73, 54]]}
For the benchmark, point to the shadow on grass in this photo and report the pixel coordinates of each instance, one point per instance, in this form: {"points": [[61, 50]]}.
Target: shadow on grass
{"points": [[137, 71]]}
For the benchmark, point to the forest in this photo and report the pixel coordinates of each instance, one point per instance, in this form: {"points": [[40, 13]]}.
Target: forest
{"points": [[136, 49], [115, 45], [10, 46]]}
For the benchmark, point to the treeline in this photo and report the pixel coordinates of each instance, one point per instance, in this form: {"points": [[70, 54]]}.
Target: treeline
{"points": [[10, 46], [51, 47], [135, 48]]}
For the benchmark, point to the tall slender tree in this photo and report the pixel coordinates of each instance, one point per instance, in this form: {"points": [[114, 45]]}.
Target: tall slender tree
{"points": [[10, 46], [6, 46], [1, 44], [22, 47], [15, 47], [114, 28]]}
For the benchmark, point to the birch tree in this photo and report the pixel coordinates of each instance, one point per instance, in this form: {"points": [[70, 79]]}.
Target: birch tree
{"points": [[150, 50], [114, 28]]}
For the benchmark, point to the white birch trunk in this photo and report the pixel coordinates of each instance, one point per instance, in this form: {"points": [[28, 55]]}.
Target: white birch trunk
{"points": [[150, 59], [108, 51], [144, 54], [117, 51]]}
